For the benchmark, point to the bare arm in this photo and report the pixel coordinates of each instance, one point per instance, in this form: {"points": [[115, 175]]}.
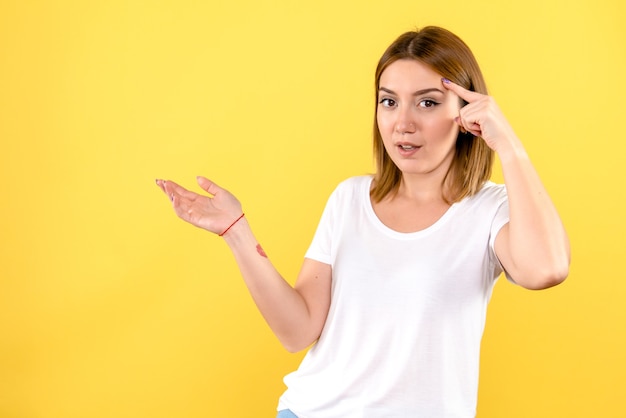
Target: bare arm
{"points": [[533, 247], [296, 315]]}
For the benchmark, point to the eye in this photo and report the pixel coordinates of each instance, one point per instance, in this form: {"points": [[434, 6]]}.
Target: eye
{"points": [[387, 102], [427, 103]]}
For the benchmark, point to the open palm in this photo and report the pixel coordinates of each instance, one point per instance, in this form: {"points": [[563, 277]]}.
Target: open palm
{"points": [[214, 212]]}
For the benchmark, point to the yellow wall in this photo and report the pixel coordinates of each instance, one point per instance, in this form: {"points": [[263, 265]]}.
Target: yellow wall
{"points": [[112, 307]]}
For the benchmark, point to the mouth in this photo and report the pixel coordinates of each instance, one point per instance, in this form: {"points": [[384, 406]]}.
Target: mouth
{"points": [[407, 149], [407, 146]]}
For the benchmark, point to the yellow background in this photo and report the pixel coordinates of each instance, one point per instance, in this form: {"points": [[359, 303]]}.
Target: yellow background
{"points": [[112, 307]]}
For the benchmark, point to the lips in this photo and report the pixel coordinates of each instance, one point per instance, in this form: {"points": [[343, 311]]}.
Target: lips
{"points": [[407, 148]]}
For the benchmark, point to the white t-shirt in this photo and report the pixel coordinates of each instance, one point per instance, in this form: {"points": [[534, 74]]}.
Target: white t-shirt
{"points": [[402, 336]]}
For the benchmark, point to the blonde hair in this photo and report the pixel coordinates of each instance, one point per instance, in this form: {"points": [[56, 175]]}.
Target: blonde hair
{"points": [[449, 56]]}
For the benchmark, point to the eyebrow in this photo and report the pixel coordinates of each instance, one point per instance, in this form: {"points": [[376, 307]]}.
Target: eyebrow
{"points": [[417, 93]]}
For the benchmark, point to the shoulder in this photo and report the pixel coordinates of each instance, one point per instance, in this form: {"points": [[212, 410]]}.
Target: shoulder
{"points": [[353, 186], [356, 182], [489, 198], [349, 193], [490, 192]]}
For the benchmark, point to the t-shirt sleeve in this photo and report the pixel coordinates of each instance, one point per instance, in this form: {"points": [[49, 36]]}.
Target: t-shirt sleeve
{"points": [[321, 245], [500, 219]]}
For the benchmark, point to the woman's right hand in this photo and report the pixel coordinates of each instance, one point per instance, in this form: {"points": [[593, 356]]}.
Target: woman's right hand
{"points": [[215, 213], [296, 316]]}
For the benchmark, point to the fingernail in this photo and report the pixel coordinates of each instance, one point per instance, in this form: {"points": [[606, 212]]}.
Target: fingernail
{"points": [[445, 80]]}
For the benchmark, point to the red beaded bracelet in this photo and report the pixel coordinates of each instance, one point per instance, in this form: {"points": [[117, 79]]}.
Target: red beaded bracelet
{"points": [[231, 225]]}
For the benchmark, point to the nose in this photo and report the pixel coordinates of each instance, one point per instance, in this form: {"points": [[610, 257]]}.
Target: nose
{"points": [[405, 123]]}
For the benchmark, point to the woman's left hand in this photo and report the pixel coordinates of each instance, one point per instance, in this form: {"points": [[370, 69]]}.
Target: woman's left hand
{"points": [[533, 246], [482, 117]]}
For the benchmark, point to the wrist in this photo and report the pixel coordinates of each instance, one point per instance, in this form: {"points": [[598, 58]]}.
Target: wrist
{"points": [[511, 150], [240, 234], [235, 222]]}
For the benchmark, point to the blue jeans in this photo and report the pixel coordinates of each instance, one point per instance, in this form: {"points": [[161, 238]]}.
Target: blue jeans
{"points": [[285, 413]]}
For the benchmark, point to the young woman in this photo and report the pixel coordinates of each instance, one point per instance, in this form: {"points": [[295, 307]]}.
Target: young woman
{"points": [[394, 287]]}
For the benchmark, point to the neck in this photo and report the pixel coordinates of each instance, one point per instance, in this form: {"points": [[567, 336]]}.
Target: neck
{"points": [[420, 189]]}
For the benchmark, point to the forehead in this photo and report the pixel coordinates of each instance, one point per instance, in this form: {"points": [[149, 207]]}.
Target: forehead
{"points": [[408, 73]]}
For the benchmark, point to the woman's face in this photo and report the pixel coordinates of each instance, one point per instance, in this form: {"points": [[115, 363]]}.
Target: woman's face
{"points": [[415, 117]]}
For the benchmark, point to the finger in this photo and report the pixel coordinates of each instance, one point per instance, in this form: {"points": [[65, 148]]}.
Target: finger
{"points": [[168, 191], [460, 123], [163, 186], [463, 93], [468, 127], [160, 183], [173, 190], [208, 185]]}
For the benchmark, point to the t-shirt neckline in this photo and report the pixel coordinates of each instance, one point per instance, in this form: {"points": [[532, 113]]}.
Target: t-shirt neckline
{"points": [[369, 208]]}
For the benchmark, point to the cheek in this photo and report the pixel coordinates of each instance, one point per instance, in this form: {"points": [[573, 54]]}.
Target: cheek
{"points": [[386, 122], [380, 120], [441, 127], [385, 126]]}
